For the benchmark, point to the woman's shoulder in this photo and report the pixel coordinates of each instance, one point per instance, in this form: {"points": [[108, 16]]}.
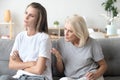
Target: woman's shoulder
{"points": [[93, 41], [21, 34], [43, 35], [61, 41]]}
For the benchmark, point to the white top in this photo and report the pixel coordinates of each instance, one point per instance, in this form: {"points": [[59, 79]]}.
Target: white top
{"points": [[32, 47]]}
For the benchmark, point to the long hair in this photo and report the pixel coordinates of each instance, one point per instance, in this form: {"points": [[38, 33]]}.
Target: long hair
{"points": [[42, 25], [79, 27]]}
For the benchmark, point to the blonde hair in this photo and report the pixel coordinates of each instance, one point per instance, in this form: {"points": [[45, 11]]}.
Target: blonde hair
{"points": [[79, 27]]}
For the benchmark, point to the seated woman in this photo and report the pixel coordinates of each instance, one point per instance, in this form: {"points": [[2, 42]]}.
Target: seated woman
{"points": [[79, 56], [30, 55]]}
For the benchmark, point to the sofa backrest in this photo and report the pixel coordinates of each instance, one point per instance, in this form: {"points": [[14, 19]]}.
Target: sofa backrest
{"points": [[55, 73], [5, 49], [110, 47], [111, 51]]}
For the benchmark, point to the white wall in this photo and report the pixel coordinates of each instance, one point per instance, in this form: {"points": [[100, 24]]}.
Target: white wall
{"points": [[57, 10]]}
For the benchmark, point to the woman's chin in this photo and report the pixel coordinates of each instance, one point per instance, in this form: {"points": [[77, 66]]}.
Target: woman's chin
{"points": [[25, 25]]}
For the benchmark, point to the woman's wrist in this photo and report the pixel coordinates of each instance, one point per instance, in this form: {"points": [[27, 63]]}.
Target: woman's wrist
{"points": [[59, 60], [58, 56]]}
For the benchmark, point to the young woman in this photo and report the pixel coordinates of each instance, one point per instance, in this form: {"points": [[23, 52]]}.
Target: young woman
{"points": [[30, 55], [79, 56]]}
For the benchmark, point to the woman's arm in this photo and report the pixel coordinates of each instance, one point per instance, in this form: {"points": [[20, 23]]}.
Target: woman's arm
{"points": [[102, 68], [59, 63], [99, 72], [16, 63], [39, 68]]}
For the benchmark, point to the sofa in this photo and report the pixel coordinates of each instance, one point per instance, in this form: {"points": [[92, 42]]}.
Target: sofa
{"points": [[110, 47]]}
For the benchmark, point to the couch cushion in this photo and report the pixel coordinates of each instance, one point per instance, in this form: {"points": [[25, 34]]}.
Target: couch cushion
{"points": [[112, 78], [111, 51], [4, 70], [5, 49], [55, 73]]}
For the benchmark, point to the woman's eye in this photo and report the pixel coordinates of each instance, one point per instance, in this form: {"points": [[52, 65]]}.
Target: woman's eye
{"points": [[70, 31], [31, 15], [25, 12]]}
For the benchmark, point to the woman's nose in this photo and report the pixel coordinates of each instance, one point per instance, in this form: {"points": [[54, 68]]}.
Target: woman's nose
{"points": [[66, 33], [26, 16]]}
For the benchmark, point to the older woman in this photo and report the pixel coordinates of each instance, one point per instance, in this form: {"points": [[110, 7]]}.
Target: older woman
{"points": [[79, 56]]}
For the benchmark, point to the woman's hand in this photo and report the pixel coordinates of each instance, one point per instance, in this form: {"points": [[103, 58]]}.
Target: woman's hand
{"points": [[56, 53], [16, 62], [91, 76], [99, 72], [59, 63], [16, 56], [39, 67]]}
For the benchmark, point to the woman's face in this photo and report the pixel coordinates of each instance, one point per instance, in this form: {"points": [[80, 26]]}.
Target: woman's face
{"points": [[31, 17], [69, 34]]}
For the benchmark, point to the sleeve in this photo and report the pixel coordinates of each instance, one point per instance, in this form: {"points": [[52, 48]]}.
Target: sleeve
{"points": [[15, 46], [97, 51], [45, 47]]}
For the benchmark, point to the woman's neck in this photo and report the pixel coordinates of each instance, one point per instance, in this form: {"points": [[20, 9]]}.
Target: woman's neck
{"points": [[76, 42], [31, 32]]}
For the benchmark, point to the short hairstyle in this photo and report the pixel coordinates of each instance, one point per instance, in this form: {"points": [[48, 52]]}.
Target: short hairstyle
{"points": [[42, 25], [79, 27]]}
